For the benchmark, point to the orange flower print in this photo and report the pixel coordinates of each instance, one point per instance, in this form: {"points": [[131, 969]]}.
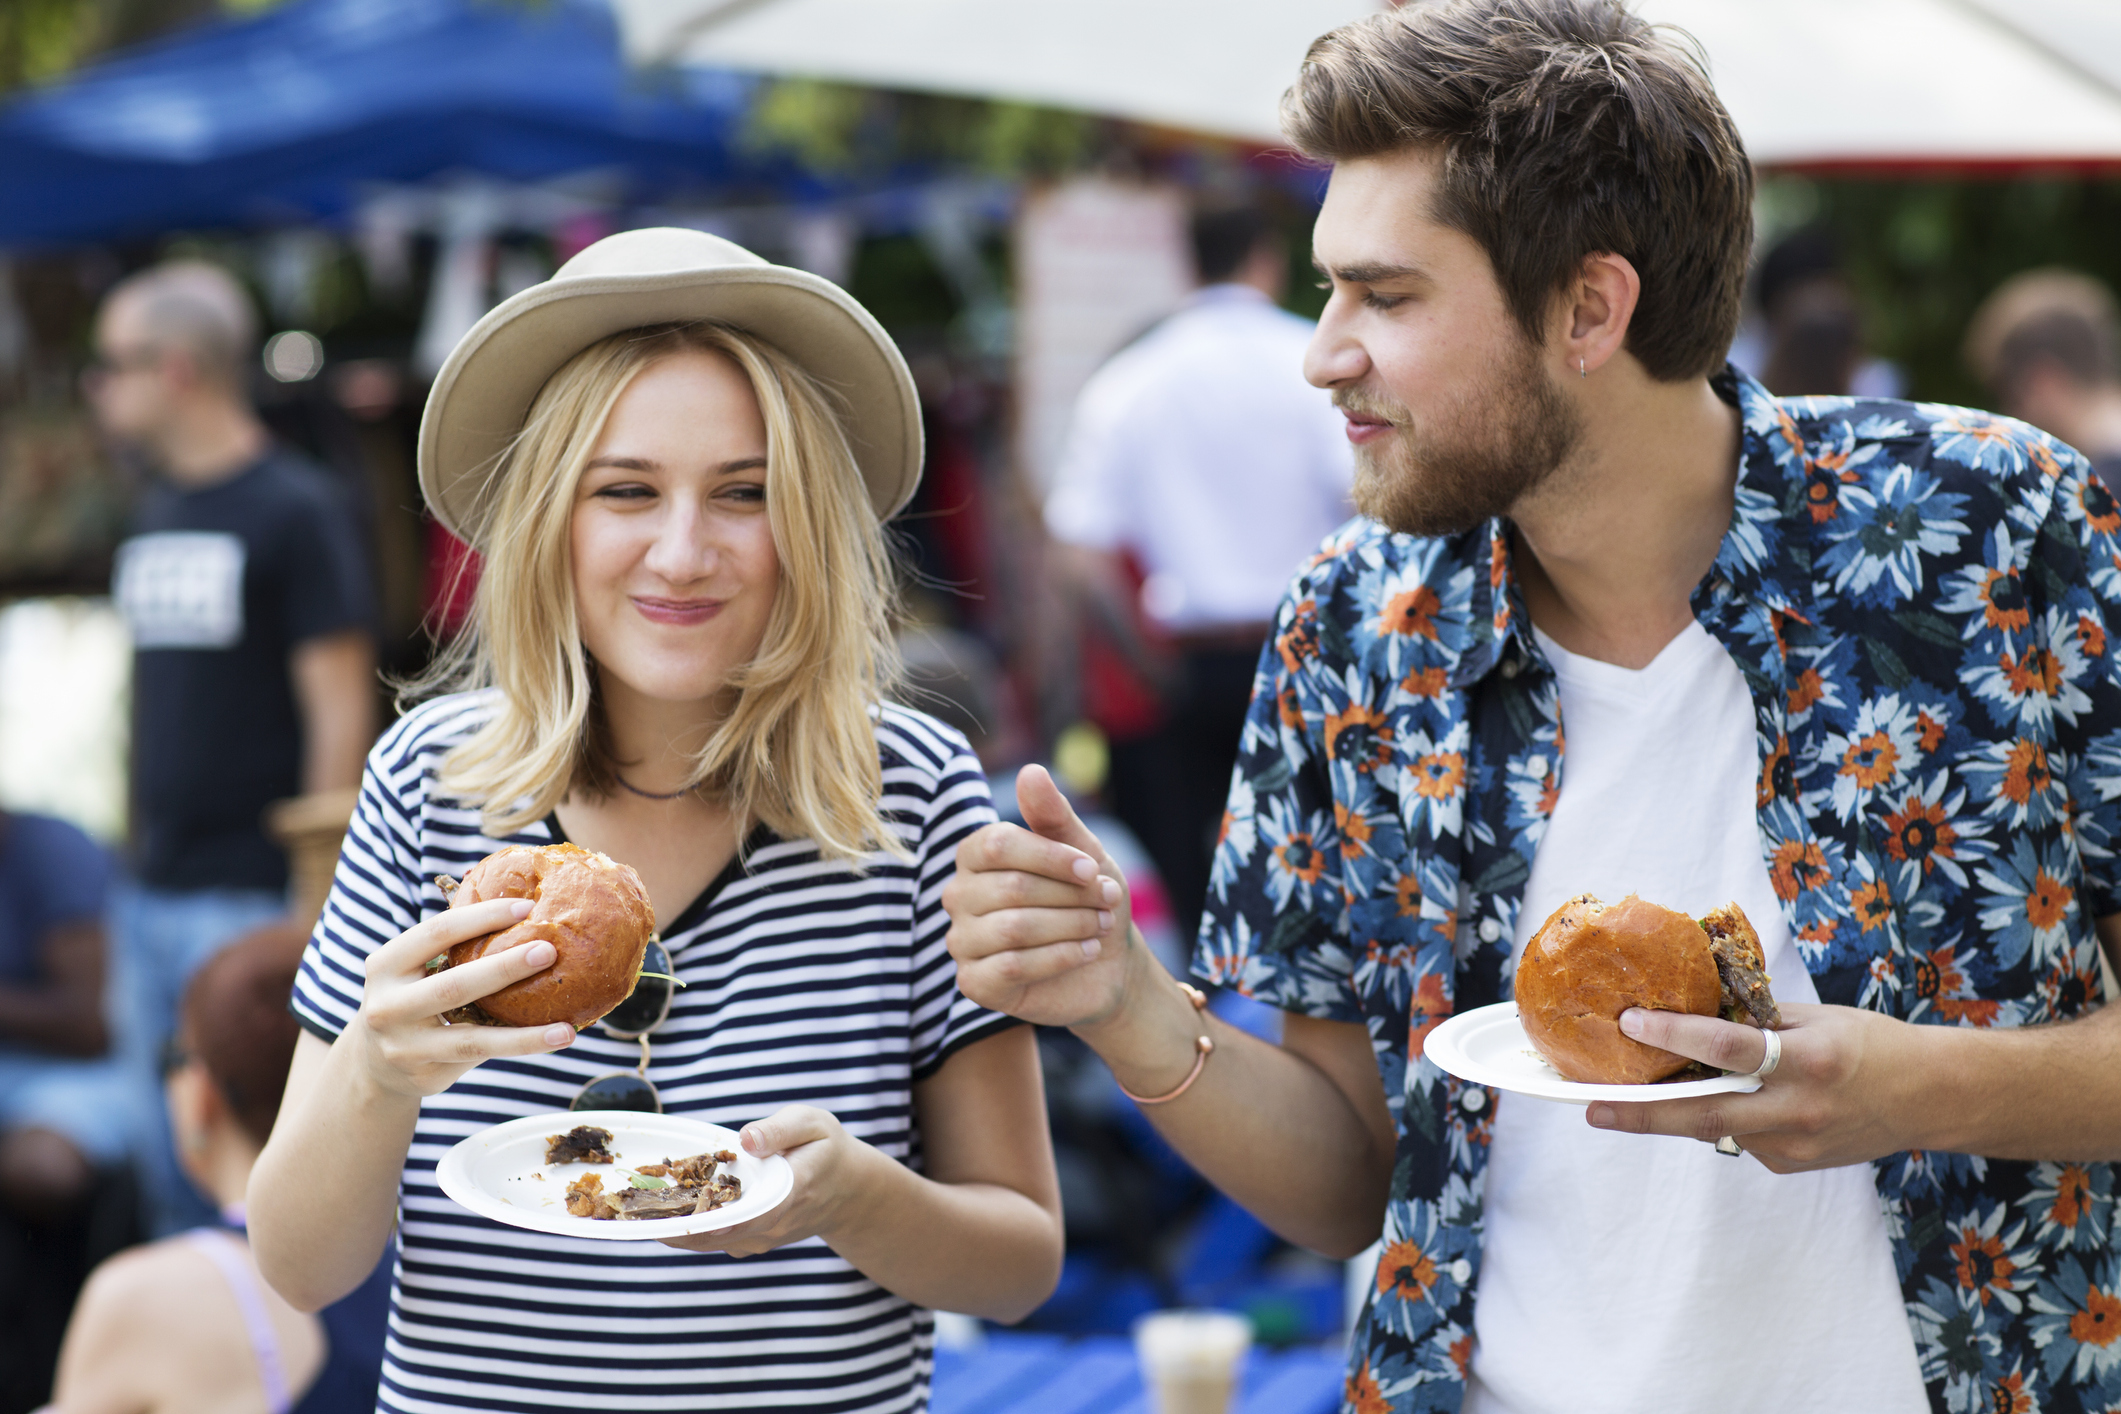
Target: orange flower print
{"points": [[1873, 905], [2003, 601], [1822, 492], [1937, 974], [2100, 511], [1412, 613], [1406, 1269], [1777, 775], [1352, 826], [2037, 671], [1462, 1354], [1430, 1009], [1928, 731], [2099, 1323], [1808, 690], [1438, 775], [2008, 1396], [1983, 1266], [1300, 857], [1425, 682], [1361, 1394], [1821, 933], [1871, 760], [1222, 829], [1408, 892], [2073, 1196], [1972, 1010], [1298, 643], [2048, 902], [1361, 736], [1797, 865], [1291, 708], [2026, 773], [2091, 637], [1919, 830]]}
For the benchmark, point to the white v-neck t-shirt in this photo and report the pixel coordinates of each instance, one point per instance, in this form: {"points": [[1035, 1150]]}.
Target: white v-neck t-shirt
{"points": [[1630, 1272]]}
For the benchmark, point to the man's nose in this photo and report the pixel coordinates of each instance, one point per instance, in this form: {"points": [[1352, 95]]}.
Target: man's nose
{"points": [[1334, 357]]}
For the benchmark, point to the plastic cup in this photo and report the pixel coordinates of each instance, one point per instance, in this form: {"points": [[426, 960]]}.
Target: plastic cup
{"points": [[1189, 1359]]}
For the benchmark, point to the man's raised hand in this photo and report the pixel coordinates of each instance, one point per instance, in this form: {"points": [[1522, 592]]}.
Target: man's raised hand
{"points": [[1039, 918]]}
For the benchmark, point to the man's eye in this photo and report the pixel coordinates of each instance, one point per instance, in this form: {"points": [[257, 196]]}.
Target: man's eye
{"points": [[1326, 285], [1373, 300]]}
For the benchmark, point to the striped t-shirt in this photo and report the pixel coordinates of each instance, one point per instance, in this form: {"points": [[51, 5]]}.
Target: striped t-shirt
{"points": [[805, 982]]}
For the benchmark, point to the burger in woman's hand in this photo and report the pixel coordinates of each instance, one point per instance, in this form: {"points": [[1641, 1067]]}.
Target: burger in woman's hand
{"points": [[1588, 963], [591, 908]]}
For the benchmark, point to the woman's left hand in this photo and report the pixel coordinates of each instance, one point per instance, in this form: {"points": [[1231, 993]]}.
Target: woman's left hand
{"points": [[827, 1162]]}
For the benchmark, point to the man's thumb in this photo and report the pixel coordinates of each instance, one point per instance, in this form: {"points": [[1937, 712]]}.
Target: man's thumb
{"points": [[1048, 812]]}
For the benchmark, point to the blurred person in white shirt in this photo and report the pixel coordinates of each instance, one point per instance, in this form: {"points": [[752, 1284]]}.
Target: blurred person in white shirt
{"points": [[1200, 463]]}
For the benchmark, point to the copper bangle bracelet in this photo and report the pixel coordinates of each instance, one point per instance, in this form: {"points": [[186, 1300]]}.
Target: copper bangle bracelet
{"points": [[1204, 1046]]}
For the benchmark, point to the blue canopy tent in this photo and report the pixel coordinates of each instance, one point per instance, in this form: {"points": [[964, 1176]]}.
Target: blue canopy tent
{"points": [[287, 117]]}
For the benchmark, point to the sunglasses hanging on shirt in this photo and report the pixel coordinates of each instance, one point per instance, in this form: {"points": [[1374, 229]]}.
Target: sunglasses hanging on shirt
{"points": [[646, 1007]]}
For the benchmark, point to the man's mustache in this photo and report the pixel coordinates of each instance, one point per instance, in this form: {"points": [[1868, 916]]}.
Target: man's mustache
{"points": [[1352, 400]]}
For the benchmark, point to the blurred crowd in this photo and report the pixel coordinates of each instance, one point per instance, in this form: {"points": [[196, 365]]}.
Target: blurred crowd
{"points": [[274, 558]]}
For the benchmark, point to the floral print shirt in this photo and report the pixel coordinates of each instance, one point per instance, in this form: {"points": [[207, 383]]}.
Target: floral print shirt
{"points": [[1921, 600]]}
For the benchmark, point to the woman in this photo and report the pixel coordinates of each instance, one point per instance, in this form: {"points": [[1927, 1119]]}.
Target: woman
{"points": [[185, 1323], [675, 459]]}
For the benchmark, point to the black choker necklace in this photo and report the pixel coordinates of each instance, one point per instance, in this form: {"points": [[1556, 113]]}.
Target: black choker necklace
{"points": [[649, 794]]}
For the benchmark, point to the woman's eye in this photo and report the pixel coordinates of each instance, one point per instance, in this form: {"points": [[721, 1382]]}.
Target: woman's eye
{"points": [[748, 494], [625, 491]]}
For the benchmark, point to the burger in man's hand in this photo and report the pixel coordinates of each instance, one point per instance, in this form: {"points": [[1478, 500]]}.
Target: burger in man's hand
{"points": [[591, 908], [1590, 962]]}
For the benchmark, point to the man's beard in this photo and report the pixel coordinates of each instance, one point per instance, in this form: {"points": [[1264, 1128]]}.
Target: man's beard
{"points": [[1474, 462]]}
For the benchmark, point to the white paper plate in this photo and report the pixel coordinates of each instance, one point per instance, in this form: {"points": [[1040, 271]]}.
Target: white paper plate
{"points": [[501, 1173], [1487, 1046]]}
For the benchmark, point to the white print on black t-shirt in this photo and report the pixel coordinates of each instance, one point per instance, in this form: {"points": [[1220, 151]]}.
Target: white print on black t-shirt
{"points": [[182, 589]]}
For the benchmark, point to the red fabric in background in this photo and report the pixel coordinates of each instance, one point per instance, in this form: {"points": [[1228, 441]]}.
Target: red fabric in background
{"points": [[452, 574]]}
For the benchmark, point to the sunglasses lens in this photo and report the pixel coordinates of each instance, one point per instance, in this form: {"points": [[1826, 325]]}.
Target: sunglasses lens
{"points": [[618, 1092], [649, 1001]]}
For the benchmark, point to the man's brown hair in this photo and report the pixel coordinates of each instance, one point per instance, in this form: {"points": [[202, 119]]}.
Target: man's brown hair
{"points": [[1568, 128]]}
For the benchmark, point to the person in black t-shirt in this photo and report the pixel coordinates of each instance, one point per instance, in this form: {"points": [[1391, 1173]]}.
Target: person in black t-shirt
{"points": [[248, 596]]}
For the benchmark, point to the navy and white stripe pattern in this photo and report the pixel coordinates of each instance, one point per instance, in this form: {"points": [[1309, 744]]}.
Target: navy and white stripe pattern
{"points": [[804, 983]]}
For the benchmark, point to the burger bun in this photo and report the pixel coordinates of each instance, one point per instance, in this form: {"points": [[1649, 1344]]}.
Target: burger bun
{"points": [[591, 908], [1590, 962]]}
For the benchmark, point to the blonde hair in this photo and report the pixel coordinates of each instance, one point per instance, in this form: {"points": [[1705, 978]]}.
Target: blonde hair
{"points": [[797, 749]]}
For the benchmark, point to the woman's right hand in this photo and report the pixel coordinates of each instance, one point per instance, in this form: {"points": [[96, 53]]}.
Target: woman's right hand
{"points": [[1040, 922], [405, 1047]]}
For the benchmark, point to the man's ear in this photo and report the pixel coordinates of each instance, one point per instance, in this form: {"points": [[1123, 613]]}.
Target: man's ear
{"points": [[1600, 307]]}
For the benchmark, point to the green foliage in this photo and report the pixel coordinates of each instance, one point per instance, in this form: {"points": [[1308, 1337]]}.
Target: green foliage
{"points": [[1923, 254], [837, 128]]}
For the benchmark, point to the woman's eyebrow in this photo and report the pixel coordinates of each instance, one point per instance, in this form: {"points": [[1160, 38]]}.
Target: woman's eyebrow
{"points": [[622, 463], [741, 464]]}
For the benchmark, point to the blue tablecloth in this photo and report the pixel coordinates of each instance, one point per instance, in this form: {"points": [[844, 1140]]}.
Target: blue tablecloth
{"points": [[1047, 1374]]}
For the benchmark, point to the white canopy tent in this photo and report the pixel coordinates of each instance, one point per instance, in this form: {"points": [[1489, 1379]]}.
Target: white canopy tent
{"points": [[1982, 83]]}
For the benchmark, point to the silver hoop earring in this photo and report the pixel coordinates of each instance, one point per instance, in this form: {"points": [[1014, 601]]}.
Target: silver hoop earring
{"points": [[1581, 370]]}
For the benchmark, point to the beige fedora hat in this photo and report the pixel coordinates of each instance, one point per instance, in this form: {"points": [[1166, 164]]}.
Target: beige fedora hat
{"points": [[660, 275]]}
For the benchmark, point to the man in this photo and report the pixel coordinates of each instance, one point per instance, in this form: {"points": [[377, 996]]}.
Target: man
{"points": [[1199, 454], [249, 602], [62, 1104], [1849, 663], [2047, 343]]}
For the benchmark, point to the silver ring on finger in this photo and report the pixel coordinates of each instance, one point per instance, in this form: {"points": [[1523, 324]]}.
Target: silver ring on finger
{"points": [[1773, 1057], [1729, 1146]]}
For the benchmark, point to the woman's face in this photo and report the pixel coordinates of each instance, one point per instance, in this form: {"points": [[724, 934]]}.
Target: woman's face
{"points": [[674, 565]]}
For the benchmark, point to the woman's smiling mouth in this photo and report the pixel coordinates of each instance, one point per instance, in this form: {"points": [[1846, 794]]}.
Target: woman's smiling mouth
{"points": [[676, 611]]}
